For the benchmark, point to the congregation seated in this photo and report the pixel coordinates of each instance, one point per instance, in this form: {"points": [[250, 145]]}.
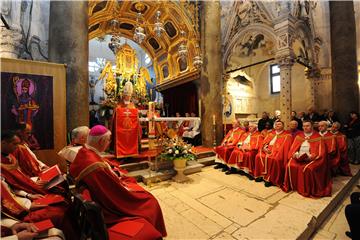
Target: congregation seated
{"points": [[340, 166], [308, 171], [330, 144], [192, 131], [19, 193], [243, 156], [227, 145], [117, 198], [183, 125], [271, 160], [268, 129], [28, 162], [293, 128], [78, 139]]}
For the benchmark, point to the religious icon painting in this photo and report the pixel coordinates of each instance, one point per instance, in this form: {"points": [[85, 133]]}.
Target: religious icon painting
{"points": [[28, 99]]}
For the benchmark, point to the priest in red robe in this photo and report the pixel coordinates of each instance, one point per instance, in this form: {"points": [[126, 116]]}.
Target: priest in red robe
{"points": [[330, 143], [308, 171], [228, 144], [28, 162], [18, 190], [243, 156], [117, 198], [272, 158], [342, 166]]}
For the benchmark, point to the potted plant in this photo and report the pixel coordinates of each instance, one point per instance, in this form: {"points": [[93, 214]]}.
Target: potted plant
{"points": [[179, 152]]}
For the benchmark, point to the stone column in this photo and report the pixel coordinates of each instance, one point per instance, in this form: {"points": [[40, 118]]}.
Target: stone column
{"points": [[284, 29], [10, 43], [11, 40], [343, 57], [313, 76], [211, 74], [285, 63], [69, 44]]}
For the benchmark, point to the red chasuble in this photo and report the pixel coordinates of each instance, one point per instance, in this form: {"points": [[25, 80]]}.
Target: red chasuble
{"points": [[27, 162], [228, 144], [126, 132], [271, 165], [331, 149], [115, 198], [343, 165], [311, 178], [244, 155], [11, 172]]}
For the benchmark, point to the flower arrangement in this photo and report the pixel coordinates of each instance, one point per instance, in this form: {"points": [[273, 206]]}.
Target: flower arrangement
{"points": [[176, 148]]}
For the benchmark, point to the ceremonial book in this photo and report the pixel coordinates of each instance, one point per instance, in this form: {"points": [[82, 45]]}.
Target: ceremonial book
{"points": [[52, 176], [44, 225], [128, 228], [49, 199]]}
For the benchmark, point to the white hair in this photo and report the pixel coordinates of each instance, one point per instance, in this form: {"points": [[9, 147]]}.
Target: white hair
{"points": [[94, 140], [324, 122], [76, 133]]}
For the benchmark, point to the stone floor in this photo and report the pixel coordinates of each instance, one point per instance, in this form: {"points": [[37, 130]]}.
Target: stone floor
{"points": [[218, 206]]}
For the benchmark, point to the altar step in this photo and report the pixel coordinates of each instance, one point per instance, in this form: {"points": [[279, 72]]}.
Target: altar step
{"points": [[144, 171]]}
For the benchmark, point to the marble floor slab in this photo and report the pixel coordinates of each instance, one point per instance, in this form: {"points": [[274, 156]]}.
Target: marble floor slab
{"points": [[218, 206]]}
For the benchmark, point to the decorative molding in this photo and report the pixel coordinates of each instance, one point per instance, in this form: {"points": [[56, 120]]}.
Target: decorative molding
{"points": [[187, 77]]}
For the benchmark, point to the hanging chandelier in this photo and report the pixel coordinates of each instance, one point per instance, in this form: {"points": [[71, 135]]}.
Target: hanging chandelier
{"points": [[159, 28], [182, 50], [139, 33]]}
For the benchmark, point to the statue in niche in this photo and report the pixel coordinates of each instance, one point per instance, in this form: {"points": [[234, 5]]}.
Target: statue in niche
{"points": [[182, 64]]}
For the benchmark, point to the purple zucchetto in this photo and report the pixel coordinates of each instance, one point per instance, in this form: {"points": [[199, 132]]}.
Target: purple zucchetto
{"points": [[98, 130]]}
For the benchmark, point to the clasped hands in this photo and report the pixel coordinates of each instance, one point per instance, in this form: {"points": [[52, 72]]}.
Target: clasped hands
{"points": [[24, 231]]}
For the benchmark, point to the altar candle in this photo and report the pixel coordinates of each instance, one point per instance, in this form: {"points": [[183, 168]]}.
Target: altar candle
{"points": [[214, 122]]}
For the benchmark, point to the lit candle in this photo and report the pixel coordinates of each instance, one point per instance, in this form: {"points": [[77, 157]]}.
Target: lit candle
{"points": [[214, 122]]}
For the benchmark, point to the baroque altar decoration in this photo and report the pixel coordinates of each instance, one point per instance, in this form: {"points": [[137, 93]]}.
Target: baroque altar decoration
{"points": [[125, 70]]}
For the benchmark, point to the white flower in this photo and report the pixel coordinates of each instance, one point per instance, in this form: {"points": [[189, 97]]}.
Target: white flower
{"points": [[185, 152], [177, 152], [185, 147], [170, 151]]}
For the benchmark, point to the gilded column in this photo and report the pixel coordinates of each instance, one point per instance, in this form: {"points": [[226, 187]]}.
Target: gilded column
{"points": [[211, 74], [69, 44], [343, 58]]}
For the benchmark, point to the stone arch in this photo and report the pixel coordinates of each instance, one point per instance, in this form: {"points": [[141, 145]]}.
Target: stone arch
{"points": [[239, 36], [304, 34]]}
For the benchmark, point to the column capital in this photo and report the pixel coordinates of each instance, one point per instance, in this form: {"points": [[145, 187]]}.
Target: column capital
{"points": [[285, 60], [314, 73], [11, 42]]}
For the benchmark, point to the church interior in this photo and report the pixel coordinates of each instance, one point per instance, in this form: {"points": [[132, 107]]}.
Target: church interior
{"points": [[187, 119]]}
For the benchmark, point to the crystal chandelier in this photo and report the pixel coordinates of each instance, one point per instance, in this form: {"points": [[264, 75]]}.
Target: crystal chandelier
{"points": [[183, 51], [158, 29], [139, 34]]}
